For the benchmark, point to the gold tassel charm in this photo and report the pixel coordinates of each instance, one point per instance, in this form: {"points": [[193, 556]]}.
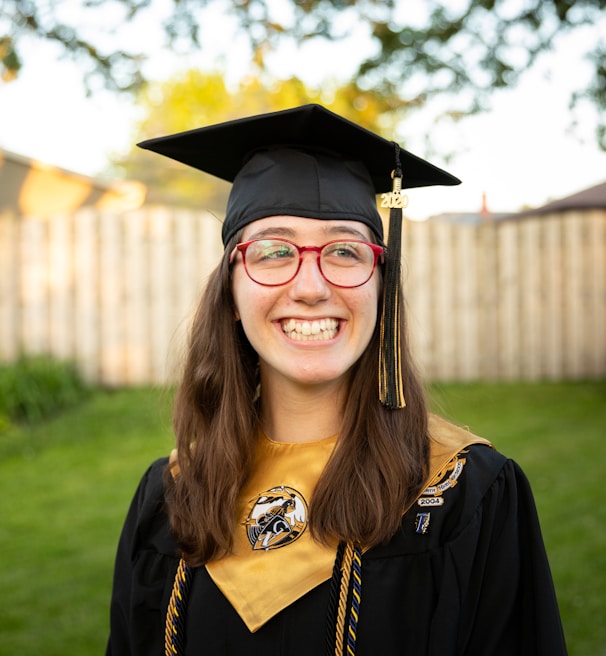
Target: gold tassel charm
{"points": [[395, 199], [391, 386]]}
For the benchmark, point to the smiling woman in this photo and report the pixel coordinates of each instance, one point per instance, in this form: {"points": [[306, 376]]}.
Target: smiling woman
{"points": [[312, 504]]}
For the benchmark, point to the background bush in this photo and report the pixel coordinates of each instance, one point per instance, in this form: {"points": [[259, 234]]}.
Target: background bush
{"points": [[35, 387]]}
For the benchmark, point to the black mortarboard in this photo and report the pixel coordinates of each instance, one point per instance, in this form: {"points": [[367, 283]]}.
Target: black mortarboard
{"points": [[309, 162]]}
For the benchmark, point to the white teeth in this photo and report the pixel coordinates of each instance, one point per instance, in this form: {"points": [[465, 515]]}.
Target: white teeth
{"points": [[310, 330]]}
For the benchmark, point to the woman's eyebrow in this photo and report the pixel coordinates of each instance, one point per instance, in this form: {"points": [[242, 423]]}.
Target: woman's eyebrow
{"points": [[289, 233], [343, 229], [275, 231]]}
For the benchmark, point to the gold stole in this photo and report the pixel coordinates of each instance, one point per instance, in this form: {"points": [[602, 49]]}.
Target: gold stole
{"points": [[260, 578]]}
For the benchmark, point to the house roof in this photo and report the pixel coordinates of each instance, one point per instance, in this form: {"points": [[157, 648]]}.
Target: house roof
{"points": [[32, 188], [588, 199]]}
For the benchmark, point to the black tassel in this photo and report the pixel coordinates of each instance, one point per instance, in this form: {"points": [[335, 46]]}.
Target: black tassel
{"points": [[391, 386]]}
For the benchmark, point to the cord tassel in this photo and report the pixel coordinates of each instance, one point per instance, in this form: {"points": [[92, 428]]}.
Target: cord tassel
{"points": [[391, 386]]}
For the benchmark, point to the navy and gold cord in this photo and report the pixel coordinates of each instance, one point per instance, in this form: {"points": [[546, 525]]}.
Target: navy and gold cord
{"points": [[346, 584], [174, 635], [356, 599]]}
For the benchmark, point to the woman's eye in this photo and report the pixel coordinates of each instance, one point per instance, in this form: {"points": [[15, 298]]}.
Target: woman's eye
{"points": [[342, 251], [273, 252]]}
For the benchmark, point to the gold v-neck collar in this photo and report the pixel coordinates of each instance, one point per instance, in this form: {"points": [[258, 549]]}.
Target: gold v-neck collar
{"points": [[275, 560]]}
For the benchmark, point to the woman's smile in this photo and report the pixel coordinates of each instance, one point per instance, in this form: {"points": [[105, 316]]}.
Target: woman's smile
{"points": [[303, 330]]}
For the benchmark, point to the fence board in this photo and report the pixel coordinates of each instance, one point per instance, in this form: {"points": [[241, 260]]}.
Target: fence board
{"points": [[597, 293], [508, 308], [136, 304], [513, 300], [553, 276], [487, 307], [160, 299], [418, 290], [464, 277], [33, 249], [443, 316], [60, 276], [9, 286], [111, 317], [186, 259], [87, 306], [531, 299], [573, 319]]}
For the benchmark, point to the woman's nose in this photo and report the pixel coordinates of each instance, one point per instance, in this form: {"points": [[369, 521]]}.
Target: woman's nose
{"points": [[309, 285]]}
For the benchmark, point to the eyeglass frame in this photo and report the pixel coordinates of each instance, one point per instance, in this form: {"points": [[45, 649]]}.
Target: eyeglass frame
{"points": [[377, 250]]}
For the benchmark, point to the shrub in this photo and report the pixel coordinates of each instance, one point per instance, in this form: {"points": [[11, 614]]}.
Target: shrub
{"points": [[34, 387]]}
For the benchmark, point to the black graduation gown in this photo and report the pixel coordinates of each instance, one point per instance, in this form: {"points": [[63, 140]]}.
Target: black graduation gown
{"points": [[476, 583]]}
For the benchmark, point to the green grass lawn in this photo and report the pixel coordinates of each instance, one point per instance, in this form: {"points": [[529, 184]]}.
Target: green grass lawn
{"points": [[557, 433], [65, 486]]}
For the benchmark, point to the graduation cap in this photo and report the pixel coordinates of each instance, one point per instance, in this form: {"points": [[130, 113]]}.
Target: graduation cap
{"points": [[309, 162]]}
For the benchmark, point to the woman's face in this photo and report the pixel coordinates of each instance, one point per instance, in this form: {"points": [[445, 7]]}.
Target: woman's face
{"points": [[276, 320]]}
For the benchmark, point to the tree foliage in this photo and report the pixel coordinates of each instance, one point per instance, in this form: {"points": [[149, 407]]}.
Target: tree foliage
{"points": [[466, 48]]}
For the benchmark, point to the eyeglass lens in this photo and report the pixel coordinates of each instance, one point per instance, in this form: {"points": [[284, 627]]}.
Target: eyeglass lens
{"points": [[347, 263]]}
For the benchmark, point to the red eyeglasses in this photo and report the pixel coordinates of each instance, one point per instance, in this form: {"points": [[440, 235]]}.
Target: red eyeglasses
{"points": [[342, 263]]}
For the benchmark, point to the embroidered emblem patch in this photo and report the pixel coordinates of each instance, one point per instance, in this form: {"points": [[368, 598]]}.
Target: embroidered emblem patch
{"points": [[447, 479], [277, 518]]}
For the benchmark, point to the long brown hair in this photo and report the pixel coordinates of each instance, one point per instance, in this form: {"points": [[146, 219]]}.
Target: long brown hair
{"points": [[374, 473]]}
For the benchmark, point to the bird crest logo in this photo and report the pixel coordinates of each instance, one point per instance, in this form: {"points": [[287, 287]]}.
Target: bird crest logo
{"points": [[277, 518]]}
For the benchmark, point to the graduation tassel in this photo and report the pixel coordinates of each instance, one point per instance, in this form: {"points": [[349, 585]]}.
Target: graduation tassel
{"points": [[391, 386]]}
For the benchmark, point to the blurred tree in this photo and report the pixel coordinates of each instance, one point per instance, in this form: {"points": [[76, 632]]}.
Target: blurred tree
{"points": [[467, 48], [193, 99], [9, 62]]}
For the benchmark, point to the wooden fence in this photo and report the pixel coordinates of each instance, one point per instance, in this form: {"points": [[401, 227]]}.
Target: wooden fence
{"points": [[112, 292], [516, 300]]}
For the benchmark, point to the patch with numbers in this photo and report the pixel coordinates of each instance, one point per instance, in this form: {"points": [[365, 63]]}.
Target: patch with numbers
{"points": [[446, 479]]}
